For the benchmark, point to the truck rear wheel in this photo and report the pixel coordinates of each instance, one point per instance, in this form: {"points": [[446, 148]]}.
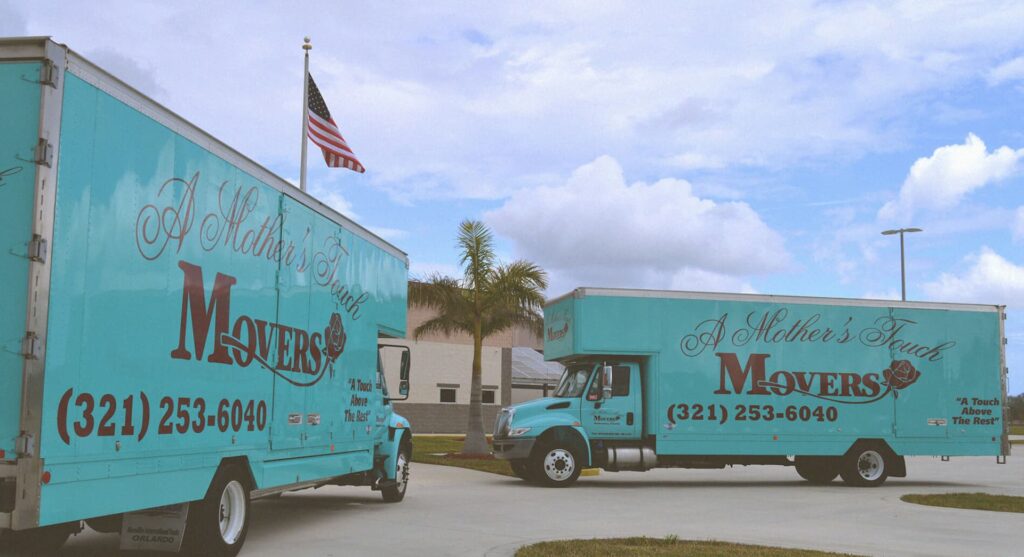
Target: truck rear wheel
{"points": [[864, 466], [819, 470], [396, 492], [553, 465], [218, 524]]}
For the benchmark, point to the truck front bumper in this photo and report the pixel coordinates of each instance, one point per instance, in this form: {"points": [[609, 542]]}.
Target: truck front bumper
{"points": [[513, 449]]}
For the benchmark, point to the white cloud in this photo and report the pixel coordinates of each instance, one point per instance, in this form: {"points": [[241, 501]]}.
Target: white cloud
{"points": [[12, 23], [1011, 70], [456, 102], [1018, 225], [990, 279], [597, 230], [389, 234], [699, 280], [883, 295], [334, 200], [943, 179], [129, 71]]}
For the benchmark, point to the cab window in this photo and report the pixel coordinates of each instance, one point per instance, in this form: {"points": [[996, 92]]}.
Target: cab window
{"points": [[620, 383]]}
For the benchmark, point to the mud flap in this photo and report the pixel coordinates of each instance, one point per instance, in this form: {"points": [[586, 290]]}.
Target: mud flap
{"points": [[157, 529]]}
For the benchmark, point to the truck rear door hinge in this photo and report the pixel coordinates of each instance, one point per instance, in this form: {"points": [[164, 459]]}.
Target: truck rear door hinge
{"points": [[24, 444], [31, 346], [48, 74], [37, 249], [44, 152]]}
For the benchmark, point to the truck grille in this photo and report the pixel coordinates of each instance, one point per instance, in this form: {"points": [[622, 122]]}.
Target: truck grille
{"points": [[501, 424]]}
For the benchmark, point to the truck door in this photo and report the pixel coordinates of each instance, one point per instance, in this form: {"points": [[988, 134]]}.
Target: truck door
{"points": [[289, 413], [19, 112], [617, 417], [922, 411]]}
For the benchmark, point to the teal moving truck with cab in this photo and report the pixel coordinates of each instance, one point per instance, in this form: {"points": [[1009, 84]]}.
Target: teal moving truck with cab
{"points": [[834, 387], [181, 328]]}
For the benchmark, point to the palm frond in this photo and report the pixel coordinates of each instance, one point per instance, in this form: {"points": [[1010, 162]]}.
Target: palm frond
{"points": [[477, 246], [443, 324], [436, 292], [514, 297], [519, 284], [446, 296]]}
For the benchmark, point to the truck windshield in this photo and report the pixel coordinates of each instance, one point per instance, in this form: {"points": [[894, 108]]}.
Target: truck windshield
{"points": [[573, 381]]}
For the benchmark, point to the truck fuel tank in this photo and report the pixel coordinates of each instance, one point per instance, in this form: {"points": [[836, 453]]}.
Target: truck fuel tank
{"points": [[630, 458]]}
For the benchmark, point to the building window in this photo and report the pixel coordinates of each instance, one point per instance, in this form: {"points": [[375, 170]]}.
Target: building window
{"points": [[447, 395], [487, 397]]}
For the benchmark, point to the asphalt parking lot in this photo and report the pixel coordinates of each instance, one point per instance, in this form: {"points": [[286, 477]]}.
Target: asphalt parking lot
{"points": [[451, 511]]}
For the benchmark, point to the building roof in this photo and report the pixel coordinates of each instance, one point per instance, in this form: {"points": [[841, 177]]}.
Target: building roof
{"points": [[528, 366]]}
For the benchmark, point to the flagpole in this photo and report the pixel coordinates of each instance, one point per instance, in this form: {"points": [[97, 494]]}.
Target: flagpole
{"points": [[305, 113]]}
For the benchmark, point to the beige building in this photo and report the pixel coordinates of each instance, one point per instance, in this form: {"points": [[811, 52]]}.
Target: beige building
{"points": [[512, 370]]}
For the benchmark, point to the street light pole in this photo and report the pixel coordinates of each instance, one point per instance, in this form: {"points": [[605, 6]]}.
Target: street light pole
{"points": [[903, 266]]}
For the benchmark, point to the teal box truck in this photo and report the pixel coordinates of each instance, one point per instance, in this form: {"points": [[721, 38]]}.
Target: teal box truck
{"points": [[179, 325], [833, 387]]}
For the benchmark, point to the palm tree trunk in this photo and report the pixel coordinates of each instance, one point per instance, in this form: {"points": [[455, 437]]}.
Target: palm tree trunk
{"points": [[476, 443]]}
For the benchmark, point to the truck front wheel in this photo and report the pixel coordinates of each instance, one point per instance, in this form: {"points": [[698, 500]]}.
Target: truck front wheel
{"points": [[396, 492], [864, 466], [217, 525], [819, 470], [553, 465]]}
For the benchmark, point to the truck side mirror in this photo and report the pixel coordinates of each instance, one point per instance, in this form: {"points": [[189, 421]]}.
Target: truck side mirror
{"points": [[403, 372], [403, 368], [606, 382]]}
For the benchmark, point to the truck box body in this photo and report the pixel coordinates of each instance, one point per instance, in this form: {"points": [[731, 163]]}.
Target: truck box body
{"points": [[188, 307], [769, 376]]}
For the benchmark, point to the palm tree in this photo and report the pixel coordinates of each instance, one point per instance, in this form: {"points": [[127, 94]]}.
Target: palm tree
{"points": [[489, 298]]}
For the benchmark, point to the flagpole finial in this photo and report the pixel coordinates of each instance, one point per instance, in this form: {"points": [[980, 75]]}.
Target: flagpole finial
{"points": [[307, 45]]}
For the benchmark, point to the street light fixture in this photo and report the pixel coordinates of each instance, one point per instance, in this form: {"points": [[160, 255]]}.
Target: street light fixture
{"points": [[903, 268]]}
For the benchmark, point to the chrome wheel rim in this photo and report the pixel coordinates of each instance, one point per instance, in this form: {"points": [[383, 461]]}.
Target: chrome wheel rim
{"points": [[559, 465], [402, 473], [870, 465], [231, 514]]}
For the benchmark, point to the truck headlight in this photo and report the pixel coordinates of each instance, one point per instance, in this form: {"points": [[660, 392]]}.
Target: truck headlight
{"points": [[518, 431]]}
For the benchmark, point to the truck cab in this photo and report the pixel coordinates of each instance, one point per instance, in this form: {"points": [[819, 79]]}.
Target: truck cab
{"points": [[596, 403]]}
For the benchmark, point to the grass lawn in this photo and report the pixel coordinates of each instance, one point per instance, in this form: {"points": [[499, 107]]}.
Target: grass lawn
{"points": [[654, 547], [444, 450], [976, 501], [1017, 430]]}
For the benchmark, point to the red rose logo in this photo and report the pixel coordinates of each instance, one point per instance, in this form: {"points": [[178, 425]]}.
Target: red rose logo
{"points": [[900, 374], [334, 338]]}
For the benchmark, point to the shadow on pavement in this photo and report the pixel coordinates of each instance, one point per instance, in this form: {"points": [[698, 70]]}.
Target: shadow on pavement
{"points": [[701, 484], [269, 517]]}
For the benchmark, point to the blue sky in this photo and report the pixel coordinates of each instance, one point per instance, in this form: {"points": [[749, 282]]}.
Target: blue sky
{"points": [[700, 146]]}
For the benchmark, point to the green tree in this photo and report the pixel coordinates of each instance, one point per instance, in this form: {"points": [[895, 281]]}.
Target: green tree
{"points": [[1016, 404], [489, 298]]}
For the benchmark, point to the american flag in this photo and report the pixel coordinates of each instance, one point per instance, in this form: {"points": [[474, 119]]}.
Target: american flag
{"points": [[325, 133]]}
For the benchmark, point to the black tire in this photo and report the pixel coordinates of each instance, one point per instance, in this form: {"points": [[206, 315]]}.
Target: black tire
{"points": [[553, 465], [34, 542], [228, 494], [521, 468], [818, 470], [395, 493], [865, 465]]}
